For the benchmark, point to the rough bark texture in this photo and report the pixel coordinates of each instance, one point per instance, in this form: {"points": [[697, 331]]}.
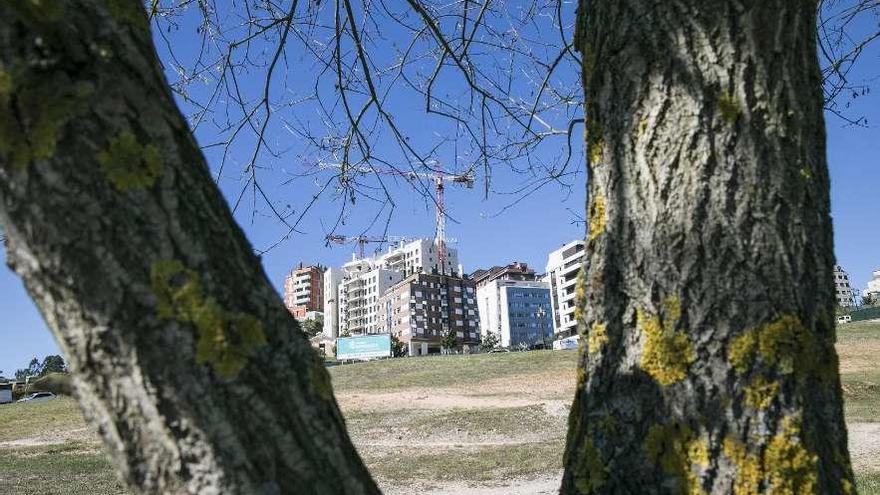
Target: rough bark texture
{"points": [[708, 303], [182, 353]]}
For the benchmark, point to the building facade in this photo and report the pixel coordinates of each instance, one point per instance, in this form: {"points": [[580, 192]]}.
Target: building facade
{"points": [[563, 266], [514, 271], [873, 288], [842, 288], [423, 308], [304, 290], [332, 277], [518, 312], [362, 281]]}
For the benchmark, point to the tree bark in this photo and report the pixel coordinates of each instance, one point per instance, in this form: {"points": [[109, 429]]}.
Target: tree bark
{"points": [[707, 299], [182, 352]]}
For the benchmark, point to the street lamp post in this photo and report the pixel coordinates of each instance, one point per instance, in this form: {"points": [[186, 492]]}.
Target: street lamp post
{"points": [[542, 314]]}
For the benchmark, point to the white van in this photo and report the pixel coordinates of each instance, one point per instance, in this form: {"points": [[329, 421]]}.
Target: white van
{"points": [[844, 319]]}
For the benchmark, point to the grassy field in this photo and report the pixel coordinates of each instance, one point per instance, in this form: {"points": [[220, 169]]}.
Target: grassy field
{"points": [[445, 423]]}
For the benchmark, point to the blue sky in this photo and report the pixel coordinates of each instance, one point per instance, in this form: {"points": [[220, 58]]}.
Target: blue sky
{"points": [[525, 232]]}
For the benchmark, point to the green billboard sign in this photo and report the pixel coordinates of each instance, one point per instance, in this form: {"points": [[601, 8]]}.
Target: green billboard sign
{"points": [[366, 347]]}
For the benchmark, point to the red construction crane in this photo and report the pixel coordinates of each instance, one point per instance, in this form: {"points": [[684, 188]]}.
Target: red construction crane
{"points": [[361, 241], [439, 177]]}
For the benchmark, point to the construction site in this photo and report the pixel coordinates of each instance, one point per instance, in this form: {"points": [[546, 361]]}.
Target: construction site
{"points": [[414, 289]]}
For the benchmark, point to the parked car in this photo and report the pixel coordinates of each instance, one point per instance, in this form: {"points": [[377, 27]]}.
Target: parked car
{"points": [[38, 397], [844, 319]]}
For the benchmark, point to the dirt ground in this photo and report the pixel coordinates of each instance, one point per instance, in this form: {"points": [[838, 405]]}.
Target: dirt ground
{"points": [[864, 438]]}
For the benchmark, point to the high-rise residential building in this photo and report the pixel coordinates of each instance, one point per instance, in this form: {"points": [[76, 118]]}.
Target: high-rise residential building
{"points": [[424, 307], [563, 266], [304, 290], [518, 312], [514, 271], [842, 288], [363, 281]]}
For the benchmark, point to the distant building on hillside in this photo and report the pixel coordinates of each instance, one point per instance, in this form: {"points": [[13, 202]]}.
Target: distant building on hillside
{"points": [[843, 290], [304, 290], [514, 271], [563, 266], [516, 311], [423, 308]]}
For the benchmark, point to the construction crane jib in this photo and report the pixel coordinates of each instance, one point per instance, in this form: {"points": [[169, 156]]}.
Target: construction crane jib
{"points": [[439, 177]]}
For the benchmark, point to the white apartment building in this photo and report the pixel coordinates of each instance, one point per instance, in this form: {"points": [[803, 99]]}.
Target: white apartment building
{"points": [[842, 288], [363, 281], [332, 277], [873, 287], [516, 311], [563, 266]]}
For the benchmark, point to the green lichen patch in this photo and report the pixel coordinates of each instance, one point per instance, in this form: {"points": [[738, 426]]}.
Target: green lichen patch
{"points": [[226, 340], [34, 107], [785, 467], [129, 165], [597, 217], [5, 84], [320, 380], [667, 353], [680, 453], [591, 472], [127, 13], [39, 12], [729, 108], [588, 62], [598, 338]]}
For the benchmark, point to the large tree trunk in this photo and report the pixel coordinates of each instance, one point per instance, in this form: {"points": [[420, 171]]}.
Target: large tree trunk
{"points": [[182, 353], [708, 303]]}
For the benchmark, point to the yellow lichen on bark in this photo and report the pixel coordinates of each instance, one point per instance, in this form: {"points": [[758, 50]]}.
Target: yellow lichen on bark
{"points": [[667, 353], [597, 217], [226, 340], [760, 392], [596, 150], [784, 346], [748, 468], [785, 468], [643, 126], [598, 338], [580, 296], [728, 107], [680, 453], [130, 165], [790, 469]]}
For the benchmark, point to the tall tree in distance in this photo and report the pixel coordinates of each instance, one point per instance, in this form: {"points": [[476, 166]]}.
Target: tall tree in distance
{"points": [[53, 364], [707, 298], [181, 350]]}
